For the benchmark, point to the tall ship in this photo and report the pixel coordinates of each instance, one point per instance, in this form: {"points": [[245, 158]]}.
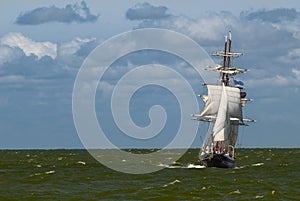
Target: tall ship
{"points": [[223, 109]]}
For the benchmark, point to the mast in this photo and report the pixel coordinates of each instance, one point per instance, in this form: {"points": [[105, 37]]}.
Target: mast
{"points": [[227, 54], [224, 59], [228, 58]]}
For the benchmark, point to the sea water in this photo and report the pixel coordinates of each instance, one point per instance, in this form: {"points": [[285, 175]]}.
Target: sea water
{"points": [[260, 174]]}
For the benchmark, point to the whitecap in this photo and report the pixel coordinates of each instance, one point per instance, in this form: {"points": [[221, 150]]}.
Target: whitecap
{"points": [[192, 166], [50, 172], [259, 196], [168, 166], [147, 188], [241, 167], [35, 174], [81, 162], [235, 192], [172, 183], [257, 164]]}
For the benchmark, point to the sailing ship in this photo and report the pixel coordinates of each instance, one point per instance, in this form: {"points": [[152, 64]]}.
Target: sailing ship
{"points": [[223, 110]]}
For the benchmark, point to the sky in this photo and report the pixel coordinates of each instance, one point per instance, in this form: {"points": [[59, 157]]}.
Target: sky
{"points": [[44, 43]]}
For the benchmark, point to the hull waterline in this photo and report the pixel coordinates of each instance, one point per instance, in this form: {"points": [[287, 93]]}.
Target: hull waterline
{"points": [[219, 161]]}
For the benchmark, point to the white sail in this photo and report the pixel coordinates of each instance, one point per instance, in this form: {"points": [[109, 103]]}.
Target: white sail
{"points": [[212, 102], [220, 130], [233, 134]]}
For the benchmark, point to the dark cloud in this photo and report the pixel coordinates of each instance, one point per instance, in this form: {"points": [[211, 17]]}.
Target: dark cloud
{"points": [[71, 13], [274, 16], [146, 11]]}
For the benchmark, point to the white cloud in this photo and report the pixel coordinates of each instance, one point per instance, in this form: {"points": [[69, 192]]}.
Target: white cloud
{"points": [[29, 46], [291, 27], [277, 80], [105, 88], [257, 39], [71, 47], [293, 57], [8, 54], [296, 74], [207, 28]]}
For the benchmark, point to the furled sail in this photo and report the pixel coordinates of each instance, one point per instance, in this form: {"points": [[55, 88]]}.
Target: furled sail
{"points": [[212, 101]]}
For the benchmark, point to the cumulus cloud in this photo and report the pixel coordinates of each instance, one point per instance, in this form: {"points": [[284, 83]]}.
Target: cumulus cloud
{"points": [[8, 54], [71, 13], [28, 46], [281, 19], [72, 53], [207, 29], [256, 38], [72, 47], [18, 50], [146, 11]]}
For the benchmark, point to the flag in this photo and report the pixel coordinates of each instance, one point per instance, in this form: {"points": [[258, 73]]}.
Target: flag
{"points": [[238, 84]]}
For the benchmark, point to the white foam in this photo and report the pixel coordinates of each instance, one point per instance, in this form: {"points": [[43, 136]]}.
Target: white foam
{"points": [[171, 183], [259, 196], [50, 172], [191, 166], [235, 192], [257, 164], [241, 167], [81, 162]]}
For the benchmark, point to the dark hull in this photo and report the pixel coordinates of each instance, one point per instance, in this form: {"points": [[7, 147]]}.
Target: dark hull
{"points": [[219, 161]]}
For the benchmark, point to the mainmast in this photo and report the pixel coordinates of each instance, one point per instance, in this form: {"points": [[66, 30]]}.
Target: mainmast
{"points": [[226, 59], [225, 69]]}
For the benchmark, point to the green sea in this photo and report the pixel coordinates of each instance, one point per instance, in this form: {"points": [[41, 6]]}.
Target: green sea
{"points": [[260, 174]]}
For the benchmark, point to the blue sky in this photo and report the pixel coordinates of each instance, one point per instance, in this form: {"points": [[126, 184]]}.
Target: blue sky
{"points": [[43, 44]]}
